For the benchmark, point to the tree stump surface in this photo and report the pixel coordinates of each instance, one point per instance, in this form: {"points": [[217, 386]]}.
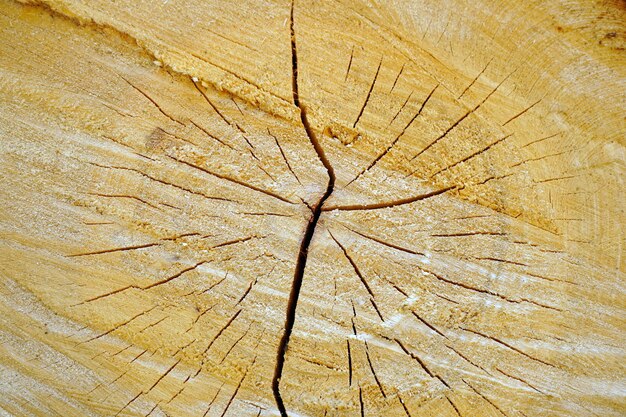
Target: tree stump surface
{"points": [[316, 208]]}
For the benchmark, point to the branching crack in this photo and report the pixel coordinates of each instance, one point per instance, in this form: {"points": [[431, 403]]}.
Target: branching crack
{"points": [[316, 207], [309, 230]]}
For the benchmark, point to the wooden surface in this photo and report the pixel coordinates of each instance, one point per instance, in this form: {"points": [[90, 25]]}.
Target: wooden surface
{"points": [[320, 208]]}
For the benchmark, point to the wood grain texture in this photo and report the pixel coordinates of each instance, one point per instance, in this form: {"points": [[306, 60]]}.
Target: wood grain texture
{"points": [[307, 208]]}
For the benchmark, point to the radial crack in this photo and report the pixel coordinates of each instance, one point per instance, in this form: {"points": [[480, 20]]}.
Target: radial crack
{"points": [[309, 230], [389, 204], [369, 93], [397, 138]]}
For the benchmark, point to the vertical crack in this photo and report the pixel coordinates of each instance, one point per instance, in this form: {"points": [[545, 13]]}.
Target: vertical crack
{"points": [[316, 210]]}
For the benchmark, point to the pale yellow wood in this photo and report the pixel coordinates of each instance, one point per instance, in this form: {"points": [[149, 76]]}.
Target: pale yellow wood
{"points": [[453, 170]]}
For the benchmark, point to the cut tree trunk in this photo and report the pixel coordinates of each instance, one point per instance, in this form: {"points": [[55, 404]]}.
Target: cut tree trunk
{"points": [[320, 208]]}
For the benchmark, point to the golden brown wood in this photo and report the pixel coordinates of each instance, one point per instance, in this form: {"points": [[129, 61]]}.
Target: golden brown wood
{"points": [[314, 208]]}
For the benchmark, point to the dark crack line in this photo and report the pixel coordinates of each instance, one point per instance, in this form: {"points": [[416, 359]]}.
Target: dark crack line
{"points": [[349, 64], [397, 138], [390, 204], [369, 93], [280, 148], [353, 264], [231, 180], [309, 231], [397, 78]]}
